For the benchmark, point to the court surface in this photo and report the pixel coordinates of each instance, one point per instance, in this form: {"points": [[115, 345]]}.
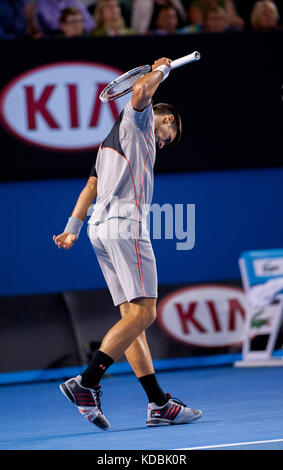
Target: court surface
{"points": [[242, 409]]}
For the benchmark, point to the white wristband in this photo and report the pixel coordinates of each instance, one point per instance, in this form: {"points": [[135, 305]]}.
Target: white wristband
{"points": [[165, 71], [74, 226]]}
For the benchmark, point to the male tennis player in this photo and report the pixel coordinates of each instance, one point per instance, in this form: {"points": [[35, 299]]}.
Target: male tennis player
{"points": [[122, 180]]}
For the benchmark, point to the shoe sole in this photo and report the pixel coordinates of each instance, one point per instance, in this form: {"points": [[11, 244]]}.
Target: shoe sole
{"points": [[158, 423]]}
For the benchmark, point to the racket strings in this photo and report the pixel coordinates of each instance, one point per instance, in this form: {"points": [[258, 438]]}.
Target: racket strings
{"points": [[125, 84]]}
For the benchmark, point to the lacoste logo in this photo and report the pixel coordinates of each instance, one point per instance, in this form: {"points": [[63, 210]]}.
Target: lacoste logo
{"points": [[270, 267], [257, 322]]}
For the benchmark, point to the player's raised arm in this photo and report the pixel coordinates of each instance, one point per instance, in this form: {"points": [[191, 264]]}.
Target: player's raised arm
{"points": [[146, 86], [72, 230]]}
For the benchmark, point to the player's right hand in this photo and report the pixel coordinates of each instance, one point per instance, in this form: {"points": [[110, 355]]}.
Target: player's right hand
{"points": [[161, 61], [64, 240]]}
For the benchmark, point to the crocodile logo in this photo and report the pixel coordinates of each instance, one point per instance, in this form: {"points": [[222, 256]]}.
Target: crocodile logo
{"points": [[257, 322]]}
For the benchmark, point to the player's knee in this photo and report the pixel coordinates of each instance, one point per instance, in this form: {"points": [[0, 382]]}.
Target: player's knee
{"points": [[152, 315], [144, 318], [149, 316], [144, 311]]}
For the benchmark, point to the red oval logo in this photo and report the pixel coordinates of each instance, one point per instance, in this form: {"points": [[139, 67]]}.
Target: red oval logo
{"points": [[57, 106], [206, 315]]}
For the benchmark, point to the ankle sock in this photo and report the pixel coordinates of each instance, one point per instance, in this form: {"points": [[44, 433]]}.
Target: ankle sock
{"points": [[152, 389], [96, 369]]}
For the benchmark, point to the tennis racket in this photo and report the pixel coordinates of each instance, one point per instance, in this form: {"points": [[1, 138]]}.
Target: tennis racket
{"points": [[124, 84]]}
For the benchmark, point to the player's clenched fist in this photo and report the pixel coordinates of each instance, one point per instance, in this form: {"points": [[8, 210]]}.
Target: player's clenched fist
{"points": [[65, 240], [162, 61]]}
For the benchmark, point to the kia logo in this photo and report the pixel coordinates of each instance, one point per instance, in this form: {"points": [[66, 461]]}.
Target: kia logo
{"points": [[206, 315], [57, 106]]}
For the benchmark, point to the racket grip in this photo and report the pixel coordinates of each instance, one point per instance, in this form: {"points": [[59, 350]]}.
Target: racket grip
{"points": [[185, 60]]}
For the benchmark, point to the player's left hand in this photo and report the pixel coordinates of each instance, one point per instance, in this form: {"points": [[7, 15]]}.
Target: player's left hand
{"points": [[64, 240]]}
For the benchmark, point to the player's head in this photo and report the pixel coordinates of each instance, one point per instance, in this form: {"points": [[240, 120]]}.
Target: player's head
{"points": [[168, 125]]}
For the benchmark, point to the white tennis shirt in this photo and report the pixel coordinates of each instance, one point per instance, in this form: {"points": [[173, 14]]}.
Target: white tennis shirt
{"points": [[124, 167]]}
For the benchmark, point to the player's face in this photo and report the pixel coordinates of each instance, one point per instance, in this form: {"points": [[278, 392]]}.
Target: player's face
{"points": [[164, 132]]}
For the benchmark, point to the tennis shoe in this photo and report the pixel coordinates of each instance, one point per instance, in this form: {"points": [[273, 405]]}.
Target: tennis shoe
{"points": [[87, 401], [173, 412]]}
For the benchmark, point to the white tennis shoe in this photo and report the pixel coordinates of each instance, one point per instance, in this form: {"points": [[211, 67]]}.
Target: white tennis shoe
{"points": [[87, 401], [173, 412]]}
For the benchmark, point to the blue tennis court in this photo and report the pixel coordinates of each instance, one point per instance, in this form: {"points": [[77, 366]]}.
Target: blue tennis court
{"points": [[242, 409]]}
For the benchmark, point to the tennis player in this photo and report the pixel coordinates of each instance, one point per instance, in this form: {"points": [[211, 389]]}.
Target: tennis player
{"points": [[122, 182]]}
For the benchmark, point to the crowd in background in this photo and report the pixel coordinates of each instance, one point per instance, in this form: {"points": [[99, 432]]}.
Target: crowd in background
{"points": [[77, 18]]}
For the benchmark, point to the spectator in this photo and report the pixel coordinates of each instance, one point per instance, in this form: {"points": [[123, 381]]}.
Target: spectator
{"points": [[215, 21], [199, 8], [12, 19], [48, 14], [33, 30], [264, 16], [144, 13], [71, 23], [279, 5], [245, 7], [109, 19], [166, 21]]}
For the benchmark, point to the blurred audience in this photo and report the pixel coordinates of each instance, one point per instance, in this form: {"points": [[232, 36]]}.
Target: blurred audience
{"points": [[71, 23], [264, 16], [214, 21], [144, 13], [33, 30], [88, 3], [245, 7], [74, 18], [109, 20], [48, 15], [167, 22], [198, 10], [12, 19]]}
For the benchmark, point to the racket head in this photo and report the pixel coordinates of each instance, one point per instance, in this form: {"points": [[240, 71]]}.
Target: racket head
{"points": [[123, 84]]}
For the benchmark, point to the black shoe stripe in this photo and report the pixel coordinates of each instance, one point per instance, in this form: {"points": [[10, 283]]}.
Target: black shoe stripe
{"points": [[175, 412], [67, 392]]}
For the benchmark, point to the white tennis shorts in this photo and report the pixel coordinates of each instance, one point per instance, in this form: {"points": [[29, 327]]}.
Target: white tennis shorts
{"points": [[125, 255]]}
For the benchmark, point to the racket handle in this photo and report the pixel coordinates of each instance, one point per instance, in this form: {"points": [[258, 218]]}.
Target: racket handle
{"points": [[185, 60]]}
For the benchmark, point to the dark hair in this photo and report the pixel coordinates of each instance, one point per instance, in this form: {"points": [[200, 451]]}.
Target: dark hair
{"points": [[69, 12], [162, 109]]}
